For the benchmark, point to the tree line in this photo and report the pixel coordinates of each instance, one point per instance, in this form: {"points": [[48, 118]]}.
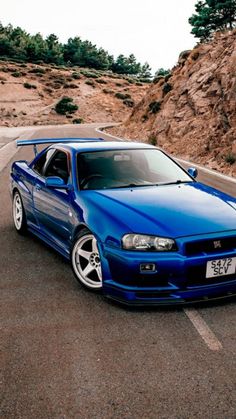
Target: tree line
{"points": [[212, 16], [16, 43]]}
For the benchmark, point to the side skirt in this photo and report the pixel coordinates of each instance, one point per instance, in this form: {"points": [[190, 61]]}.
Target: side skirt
{"points": [[59, 248]]}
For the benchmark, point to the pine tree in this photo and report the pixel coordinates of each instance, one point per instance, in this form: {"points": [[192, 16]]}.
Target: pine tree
{"points": [[161, 72], [54, 50], [145, 71], [212, 16]]}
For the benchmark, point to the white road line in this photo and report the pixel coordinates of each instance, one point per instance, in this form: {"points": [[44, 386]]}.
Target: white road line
{"points": [[206, 170], [109, 135], [203, 329], [6, 154], [196, 319]]}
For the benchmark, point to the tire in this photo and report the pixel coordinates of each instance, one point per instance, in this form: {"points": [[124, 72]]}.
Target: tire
{"points": [[85, 261], [18, 213]]}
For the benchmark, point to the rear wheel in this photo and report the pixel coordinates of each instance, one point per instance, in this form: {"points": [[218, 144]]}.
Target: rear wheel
{"points": [[85, 260], [19, 214]]}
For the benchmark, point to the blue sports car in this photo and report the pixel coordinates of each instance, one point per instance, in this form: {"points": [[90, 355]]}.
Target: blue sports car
{"points": [[133, 223]]}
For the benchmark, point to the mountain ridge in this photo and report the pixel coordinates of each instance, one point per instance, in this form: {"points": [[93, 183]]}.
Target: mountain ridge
{"points": [[192, 111]]}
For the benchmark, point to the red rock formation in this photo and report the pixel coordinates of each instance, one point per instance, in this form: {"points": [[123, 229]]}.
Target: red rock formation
{"points": [[197, 118]]}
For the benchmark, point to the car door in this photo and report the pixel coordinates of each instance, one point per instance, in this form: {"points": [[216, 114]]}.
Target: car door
{"points": [[52, 206]]}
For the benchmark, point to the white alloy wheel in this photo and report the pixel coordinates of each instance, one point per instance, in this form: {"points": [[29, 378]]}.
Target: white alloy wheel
{"points": [[86, 261], [18, 212]]}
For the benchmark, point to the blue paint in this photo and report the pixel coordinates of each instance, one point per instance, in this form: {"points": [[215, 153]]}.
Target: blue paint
{"points": [[188, 212]]}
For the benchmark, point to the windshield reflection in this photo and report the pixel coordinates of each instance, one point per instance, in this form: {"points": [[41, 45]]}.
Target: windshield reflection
{"points": [[128, 168]]}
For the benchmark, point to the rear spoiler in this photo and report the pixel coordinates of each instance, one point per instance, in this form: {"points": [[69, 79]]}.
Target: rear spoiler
{"points": [[39, 141]]}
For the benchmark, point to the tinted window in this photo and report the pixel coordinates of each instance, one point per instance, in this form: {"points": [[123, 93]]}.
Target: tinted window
{"points": [[43, 160], [124, 168], [58, 166]]}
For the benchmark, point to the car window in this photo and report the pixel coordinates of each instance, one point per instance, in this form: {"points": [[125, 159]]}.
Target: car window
{"points": [[42, 161], [58, 166], [124, 168]]}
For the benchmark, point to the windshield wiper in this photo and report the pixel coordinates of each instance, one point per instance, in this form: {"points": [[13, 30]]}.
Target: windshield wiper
{"points": [[136, 185], [176, 182]]}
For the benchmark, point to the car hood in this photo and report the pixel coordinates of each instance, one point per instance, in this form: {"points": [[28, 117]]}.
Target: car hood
{"points": [[168, 210]]}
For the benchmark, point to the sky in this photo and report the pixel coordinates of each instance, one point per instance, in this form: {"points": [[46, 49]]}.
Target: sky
{"points": [[155, 31]]}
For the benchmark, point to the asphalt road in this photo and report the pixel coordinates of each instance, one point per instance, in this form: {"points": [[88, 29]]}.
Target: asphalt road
{"points": [[66, 353]]}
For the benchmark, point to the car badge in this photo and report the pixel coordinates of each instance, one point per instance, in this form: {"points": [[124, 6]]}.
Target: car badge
{"points": [[217, 244]]}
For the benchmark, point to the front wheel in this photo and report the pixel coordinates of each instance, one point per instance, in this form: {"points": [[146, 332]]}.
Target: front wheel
{"points": [[19, 214], [86, 262]]}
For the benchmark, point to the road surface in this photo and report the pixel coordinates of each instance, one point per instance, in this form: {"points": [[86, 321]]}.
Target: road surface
{"points": [[66, 353]]}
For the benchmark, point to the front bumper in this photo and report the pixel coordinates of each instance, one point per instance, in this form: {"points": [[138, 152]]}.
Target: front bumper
{"points": [[152, 298], [178, 279]]}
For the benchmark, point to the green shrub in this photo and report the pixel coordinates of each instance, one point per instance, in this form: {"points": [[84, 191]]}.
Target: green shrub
{"points": [[158, 78], [16, 74], [184, 55], [154, 107], [122, 96], [167, 87], [89, 75], [29, 86], [101, 81], [48, 90], [144, 80], [129, 102], [144, 117], [230, 158], [167, 77], [39, 62], [76, 75], [130, 81], [59, 80], [152, 139], [65, 106], [37, 70], [70, 86], [108, 91], [161, 72], [90, 83], [78, 121]]}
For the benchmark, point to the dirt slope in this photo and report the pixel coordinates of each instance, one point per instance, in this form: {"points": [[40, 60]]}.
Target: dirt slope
{"points": [[196, 118], [28, 94]]}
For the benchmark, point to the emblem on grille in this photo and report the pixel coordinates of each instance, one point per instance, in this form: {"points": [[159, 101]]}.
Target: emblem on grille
{"points": [[217, 244]]}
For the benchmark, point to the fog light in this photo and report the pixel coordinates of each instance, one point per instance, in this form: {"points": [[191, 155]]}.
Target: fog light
{"points": [[147, 267]]}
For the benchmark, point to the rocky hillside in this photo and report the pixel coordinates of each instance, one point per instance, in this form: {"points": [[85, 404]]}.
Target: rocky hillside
{"points": [[192, 111], [29, 93]]}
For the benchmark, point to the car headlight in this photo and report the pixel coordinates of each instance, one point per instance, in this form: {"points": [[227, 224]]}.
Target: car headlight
{"points": [[148, 243]]}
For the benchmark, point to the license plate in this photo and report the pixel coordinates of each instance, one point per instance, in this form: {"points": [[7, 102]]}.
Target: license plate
{"points": [[221, 267]]}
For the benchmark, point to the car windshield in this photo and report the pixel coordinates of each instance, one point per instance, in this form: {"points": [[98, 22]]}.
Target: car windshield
{"points": [[128, 168]]}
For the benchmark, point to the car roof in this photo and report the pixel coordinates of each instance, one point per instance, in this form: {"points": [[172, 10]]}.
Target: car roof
{"points": [[103, 145]]}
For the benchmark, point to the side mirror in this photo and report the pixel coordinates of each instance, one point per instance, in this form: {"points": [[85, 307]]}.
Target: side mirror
{"points": [[55, 182], [192, 171]]}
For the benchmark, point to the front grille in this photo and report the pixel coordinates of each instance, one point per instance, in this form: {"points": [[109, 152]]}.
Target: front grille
{"points": [[196, 276], [210, 246]]}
